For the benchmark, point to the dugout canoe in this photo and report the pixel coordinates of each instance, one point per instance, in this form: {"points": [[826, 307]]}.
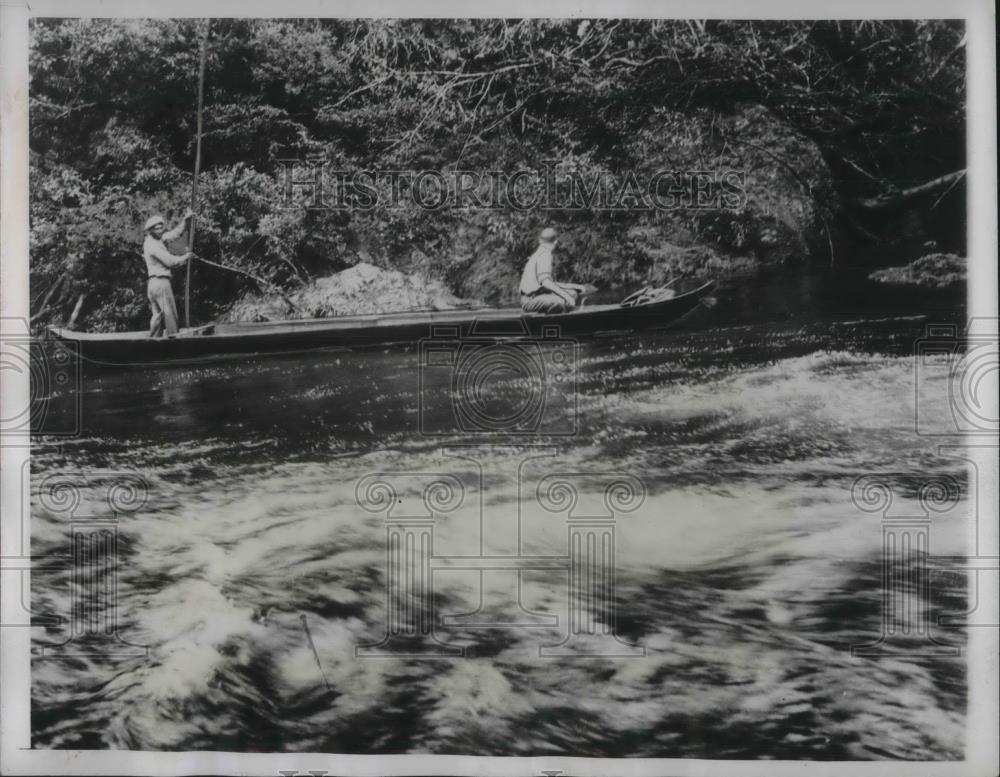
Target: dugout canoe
{"points": [[297, 335]]}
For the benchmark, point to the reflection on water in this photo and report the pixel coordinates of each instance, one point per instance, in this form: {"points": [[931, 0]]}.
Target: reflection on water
{"points": [[746, 574]]}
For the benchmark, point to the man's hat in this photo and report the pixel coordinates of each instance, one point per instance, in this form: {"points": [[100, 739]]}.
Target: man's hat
{"points": [[152, 221], [548, 235]]}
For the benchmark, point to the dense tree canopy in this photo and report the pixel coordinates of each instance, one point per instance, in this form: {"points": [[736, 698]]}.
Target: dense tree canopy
{"points": [[113, 128]]}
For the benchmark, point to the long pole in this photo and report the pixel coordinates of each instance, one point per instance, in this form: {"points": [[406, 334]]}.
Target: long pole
{"points": [[197, 169]]}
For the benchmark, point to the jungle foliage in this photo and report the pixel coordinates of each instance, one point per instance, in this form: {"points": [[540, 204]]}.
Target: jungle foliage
{"points": [[113, 127]]}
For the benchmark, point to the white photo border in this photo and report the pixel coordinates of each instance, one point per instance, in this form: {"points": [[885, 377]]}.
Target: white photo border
{"points": [[16, 756]]}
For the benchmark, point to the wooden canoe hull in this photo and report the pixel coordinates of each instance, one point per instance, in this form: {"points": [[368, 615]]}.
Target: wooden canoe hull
{"points": [[222, 340]]}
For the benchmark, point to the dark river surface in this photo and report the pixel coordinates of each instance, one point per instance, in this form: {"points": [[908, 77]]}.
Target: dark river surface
{"points": [[746, 574]]}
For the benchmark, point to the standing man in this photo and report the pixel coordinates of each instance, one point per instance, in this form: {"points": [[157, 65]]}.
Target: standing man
{"points": [[539, 292], [159, 260]]}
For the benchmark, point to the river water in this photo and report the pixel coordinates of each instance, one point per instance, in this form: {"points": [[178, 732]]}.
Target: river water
{"points": [[744, 571]]}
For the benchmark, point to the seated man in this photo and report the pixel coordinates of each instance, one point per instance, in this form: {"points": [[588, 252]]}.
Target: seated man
{"points": [[539, 292]]}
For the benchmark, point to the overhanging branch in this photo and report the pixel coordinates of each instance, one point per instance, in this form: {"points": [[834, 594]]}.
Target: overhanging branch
{"points": [[895, 198]]}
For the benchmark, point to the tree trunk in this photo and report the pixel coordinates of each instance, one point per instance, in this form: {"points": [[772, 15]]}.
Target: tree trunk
{"points": [[76, 311]]}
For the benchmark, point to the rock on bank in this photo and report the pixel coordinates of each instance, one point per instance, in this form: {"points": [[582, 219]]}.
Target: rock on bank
{"points": [[934, 271]]}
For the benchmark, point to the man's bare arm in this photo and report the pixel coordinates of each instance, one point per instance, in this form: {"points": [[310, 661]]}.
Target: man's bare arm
{"points": [[177, 231]]}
